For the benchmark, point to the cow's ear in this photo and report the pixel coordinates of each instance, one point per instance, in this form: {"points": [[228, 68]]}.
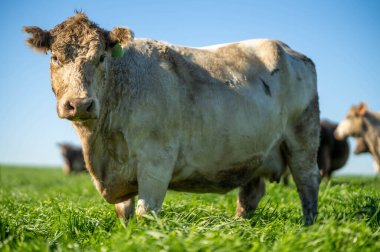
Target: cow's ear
{"points": [[40, 40], [121, 35], [362, 108]]}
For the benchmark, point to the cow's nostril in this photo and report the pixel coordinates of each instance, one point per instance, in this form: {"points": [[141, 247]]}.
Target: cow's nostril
{"points": [[69, 106], [90, 106]]}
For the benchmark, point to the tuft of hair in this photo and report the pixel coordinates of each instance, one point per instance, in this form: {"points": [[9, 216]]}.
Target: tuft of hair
{"points": [[80, 11], [40, 40]]}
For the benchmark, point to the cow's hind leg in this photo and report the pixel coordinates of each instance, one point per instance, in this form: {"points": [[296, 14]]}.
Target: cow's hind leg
{"points": [[302, 144], [126, 209], [249, 197]]}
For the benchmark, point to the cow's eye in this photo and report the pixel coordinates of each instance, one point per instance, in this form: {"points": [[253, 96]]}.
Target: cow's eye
{"points": [[54, 60]]}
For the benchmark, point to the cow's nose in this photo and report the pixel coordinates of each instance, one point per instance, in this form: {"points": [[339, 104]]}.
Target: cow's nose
{"points": [[79, 109]]}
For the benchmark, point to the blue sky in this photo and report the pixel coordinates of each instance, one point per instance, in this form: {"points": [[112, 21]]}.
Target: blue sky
{"points": [[342, 38]]}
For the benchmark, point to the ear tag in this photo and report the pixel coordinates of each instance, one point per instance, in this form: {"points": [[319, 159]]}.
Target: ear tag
{"points": [[117, 51]]}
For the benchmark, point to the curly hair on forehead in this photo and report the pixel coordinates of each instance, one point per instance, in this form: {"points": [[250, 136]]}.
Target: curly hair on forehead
{"points": [[76, 35], [76, 26]]}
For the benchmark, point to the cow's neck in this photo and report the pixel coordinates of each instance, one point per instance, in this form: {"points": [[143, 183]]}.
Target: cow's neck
{"points": [[372, 135], [104, 147]]}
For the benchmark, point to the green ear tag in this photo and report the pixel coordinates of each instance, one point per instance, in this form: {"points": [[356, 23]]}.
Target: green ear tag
{"points": [[117, 51]]}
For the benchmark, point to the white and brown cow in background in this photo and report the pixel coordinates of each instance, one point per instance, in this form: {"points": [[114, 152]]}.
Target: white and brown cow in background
{"points": [[153, 116], [365, 126]]}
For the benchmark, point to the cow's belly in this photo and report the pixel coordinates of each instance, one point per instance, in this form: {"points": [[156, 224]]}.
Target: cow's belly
{"points": [[216, 178], [222, 166], [230, 150]]}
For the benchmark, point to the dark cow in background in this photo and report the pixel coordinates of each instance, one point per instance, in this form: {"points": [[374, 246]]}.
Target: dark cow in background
{"points": [[362, 123], [332, 153], [73, 158]]}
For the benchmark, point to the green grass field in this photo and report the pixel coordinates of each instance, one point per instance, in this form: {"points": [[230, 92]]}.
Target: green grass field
{"points": [[43, 210]]}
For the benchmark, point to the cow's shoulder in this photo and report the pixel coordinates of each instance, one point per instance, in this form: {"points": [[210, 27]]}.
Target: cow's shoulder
{"points": [[150, 48], [258, 55]]}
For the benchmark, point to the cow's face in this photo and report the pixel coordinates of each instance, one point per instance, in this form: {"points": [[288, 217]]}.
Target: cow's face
{"points": [[80, 53], [352, 124]]}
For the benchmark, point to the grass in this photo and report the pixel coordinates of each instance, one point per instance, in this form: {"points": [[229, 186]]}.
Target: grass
{"points": [[43, 210]]}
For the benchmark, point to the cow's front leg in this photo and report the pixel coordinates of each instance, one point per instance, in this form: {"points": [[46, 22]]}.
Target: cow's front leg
{"points": [[154, 171], [153, 177], [125, 209], [152, 191], [250, 196]]}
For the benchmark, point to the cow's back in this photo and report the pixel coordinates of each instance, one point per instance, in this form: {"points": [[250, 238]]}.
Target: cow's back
{"points": [[262, 70]]}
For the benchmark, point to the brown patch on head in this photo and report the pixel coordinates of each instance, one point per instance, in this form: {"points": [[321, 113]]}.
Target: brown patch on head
{"points": [[77, 36]]}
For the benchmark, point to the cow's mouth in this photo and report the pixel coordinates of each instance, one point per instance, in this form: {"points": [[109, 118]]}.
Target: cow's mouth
{"points": [[81, 119]]}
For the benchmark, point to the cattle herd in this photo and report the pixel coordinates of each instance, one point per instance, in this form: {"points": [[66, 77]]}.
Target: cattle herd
{"points": [[153, 116]]}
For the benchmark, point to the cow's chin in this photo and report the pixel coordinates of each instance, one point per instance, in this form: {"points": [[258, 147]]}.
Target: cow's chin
{"points": [[90, 123], [84, 122], [81, 120]]}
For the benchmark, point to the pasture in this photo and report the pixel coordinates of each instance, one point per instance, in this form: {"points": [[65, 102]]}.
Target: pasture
{"points": [[43, 210]]}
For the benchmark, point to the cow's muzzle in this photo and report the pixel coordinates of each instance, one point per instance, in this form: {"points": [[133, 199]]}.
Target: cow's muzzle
{"points": [[79, 109]]}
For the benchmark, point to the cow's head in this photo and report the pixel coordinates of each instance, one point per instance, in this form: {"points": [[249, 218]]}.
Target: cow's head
{"points": [[352, 124], [80, 53]]}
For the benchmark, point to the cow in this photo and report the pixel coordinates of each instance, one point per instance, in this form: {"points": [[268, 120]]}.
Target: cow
{"points": [[73, 158], [153, 116], [362, 123], [332, 153]]}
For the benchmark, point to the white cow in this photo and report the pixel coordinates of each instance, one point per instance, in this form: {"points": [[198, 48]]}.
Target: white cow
{"points": [[364, 125], [153, 116]]}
